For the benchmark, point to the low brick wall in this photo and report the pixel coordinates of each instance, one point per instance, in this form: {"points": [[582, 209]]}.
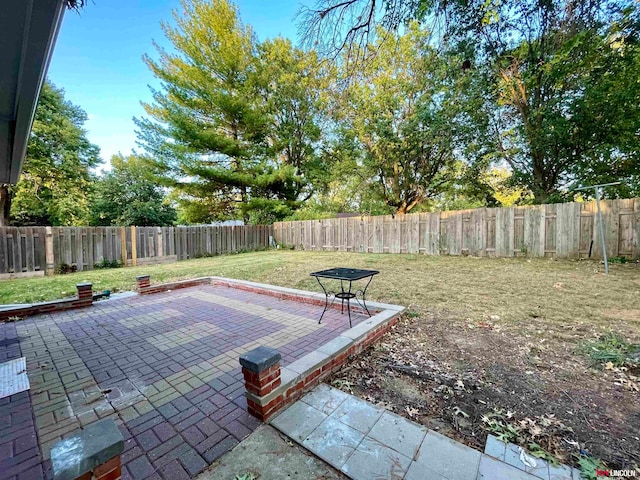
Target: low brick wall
{"points": [[144, 286], [84, 299], [296, 297], [273, 388]]}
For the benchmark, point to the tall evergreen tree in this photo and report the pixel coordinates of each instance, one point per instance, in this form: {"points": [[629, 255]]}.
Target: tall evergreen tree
{"points": [[217, 125]]}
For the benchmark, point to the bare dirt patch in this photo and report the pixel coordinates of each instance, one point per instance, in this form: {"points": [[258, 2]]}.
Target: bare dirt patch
{"points": [[468, 378]]}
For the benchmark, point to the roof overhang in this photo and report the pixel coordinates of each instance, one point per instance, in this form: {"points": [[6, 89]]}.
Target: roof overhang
{"points": [[28, 31]]}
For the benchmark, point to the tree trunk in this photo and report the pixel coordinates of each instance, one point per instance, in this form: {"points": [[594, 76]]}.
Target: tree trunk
{"points": [[405, 207], [402, 209], [5, 204], [540, 197], [540, 187]]}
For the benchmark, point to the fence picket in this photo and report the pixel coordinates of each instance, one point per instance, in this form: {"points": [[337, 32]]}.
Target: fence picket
{"points": [[560, 230], [26, 251]]}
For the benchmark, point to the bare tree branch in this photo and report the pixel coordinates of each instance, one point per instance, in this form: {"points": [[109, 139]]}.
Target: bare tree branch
{"points": [[76, 5], [335, 27]]}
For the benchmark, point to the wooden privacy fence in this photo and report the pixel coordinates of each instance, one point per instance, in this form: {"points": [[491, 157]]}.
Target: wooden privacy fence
{"points": [[563, 230], [32, 251]]}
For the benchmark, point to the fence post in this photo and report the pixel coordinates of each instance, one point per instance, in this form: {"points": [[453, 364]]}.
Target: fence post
{"points": [[123, 245], [48, 248], [134, 248], [160, 250]]}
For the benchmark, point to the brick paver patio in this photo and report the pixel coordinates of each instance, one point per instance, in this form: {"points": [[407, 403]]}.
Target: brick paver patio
{"points": [[164, 366]]}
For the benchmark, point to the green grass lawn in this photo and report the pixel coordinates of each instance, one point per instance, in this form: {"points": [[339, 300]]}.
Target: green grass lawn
{"points": [[519, 325], [514, 289]]}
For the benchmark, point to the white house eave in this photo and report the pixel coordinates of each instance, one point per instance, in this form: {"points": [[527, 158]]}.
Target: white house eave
{"points": [[28, 31]]}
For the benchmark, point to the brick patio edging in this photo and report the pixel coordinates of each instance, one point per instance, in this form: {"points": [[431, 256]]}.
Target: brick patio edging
{"points": [[284, 293], [303, 296], [84, 299], [271, 387], [144, 287]]}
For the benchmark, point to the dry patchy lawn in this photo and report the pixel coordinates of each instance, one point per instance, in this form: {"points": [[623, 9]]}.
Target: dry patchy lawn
{"points": [[501, 340]]}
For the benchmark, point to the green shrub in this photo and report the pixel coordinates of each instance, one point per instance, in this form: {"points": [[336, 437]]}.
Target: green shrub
{"points": [[65, 268], [611, 347], [588, 466], [618, 260], [107, 264]]}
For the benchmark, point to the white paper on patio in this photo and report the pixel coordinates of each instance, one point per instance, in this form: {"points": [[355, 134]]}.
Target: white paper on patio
{"points": [[13, 377]]}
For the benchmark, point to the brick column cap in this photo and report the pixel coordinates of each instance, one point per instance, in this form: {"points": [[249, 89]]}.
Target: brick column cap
{"points": [[83, 452], [260, 359], [140, 278], [84, 286]]}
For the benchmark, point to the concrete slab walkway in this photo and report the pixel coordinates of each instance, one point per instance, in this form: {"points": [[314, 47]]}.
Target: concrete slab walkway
{"points": [[364, 441], [267, 454]]}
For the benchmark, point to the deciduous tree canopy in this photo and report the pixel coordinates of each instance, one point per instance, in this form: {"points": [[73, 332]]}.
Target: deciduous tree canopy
{"points": [[396, 106], [402, 108], [56, 181], [128, 195], [560, 98]]}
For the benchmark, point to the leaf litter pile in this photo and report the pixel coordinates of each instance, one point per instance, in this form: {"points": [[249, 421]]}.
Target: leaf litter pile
{"points": [[467, 379]]}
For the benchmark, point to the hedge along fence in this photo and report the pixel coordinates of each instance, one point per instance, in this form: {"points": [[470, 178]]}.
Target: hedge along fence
{"points": [[33, 251], [566, 230]]}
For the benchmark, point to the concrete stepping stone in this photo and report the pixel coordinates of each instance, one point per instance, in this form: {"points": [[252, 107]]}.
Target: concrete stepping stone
{"points": [[417, 471], [495, 448], [448, 458], [298, 421], [510, 454], [333, 441], [492, 469], [398, 433], [325, 398], [512, 457], [367, 442], [358, 414], [560, 472], [373, 459]]}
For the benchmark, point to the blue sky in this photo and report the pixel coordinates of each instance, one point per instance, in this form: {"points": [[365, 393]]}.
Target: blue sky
{"points": [[98, 58]]}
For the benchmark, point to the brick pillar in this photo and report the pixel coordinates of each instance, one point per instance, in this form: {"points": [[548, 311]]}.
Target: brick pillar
{"points": [[92, 453], [85, 294], [143, 281], [261, 370]]}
